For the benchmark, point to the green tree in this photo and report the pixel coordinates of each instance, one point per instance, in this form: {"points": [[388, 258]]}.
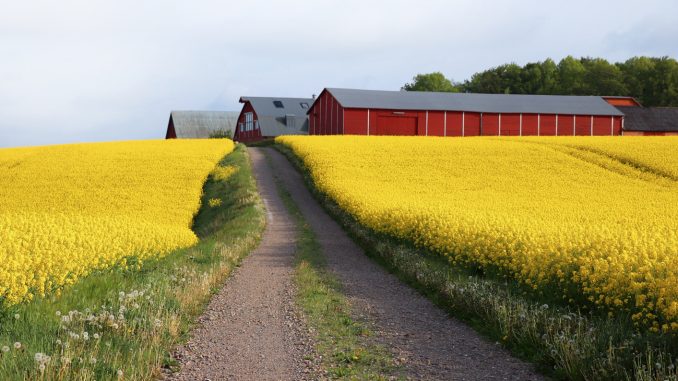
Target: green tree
{"points": [[637, 73], [664, 82], [488, 81], [602, 78], [435, 81], [571, 76], [549, 77]]}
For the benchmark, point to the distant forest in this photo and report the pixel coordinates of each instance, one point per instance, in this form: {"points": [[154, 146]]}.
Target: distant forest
{"points": [[652, 81]]}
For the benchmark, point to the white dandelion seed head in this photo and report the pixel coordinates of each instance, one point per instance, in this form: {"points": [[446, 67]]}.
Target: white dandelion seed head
{"points": [[5, 348], [17, 316], [17, 345]]}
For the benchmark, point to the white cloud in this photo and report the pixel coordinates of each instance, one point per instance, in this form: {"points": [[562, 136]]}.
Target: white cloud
{"points": [[78, 70]]}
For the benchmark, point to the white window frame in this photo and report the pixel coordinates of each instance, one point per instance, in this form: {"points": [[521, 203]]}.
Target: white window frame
{"points": [[249, 121]]}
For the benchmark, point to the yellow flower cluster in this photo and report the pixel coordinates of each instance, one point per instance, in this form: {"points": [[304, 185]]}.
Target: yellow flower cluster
{"points": [[68, 210], [595, 218]]}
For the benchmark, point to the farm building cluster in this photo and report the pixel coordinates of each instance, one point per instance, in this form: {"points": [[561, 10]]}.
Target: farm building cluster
{"points": [[373, 112]]}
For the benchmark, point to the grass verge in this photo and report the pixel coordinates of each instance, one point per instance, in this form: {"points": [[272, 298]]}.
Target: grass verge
{"points": [[123, 324], [565, 344], [343, 342]]}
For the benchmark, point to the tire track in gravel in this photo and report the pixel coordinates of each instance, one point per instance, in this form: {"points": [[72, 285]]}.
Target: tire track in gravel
{"points": [[252, 330], [434, 346]]}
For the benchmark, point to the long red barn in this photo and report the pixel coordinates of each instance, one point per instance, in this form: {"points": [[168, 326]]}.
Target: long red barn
{"points": [[374, 112]]}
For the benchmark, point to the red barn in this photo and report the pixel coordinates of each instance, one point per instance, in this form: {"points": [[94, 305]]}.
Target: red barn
{"points": [[268, 117], [374, 112]]}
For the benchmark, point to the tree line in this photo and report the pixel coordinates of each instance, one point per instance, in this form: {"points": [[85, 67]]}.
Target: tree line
{"points": [[651, 80]]}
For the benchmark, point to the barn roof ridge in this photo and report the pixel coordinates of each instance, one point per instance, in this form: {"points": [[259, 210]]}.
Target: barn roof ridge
{"points": [[473, 102]]}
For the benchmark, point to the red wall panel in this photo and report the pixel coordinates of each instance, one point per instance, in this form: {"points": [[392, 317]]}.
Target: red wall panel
{"points": [[602, 125], [453, 126], [490, 124], [582, 125], [355, 122], [547, 125], [617, 125], [436, 123], [510, 125], [530, 125], [565, 125], [471, 124]]}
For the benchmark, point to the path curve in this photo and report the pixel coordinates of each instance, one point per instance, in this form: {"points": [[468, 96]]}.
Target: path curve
{"points": [[434, 345], [251, 329]]}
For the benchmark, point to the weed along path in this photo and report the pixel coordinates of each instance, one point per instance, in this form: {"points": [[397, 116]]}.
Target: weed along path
{"points": [[250, 329], [430, 344]]}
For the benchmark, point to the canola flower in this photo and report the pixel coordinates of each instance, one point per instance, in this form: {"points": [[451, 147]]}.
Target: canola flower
{"points": [[70, 209], [595, 218]]}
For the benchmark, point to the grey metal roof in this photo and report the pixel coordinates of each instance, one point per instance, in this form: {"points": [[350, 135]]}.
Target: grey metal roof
{"points": [[200, 124], [273, 120], [492, 103], [650, 118]]}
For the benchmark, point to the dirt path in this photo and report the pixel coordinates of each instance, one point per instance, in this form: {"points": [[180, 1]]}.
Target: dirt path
{"points": [[251, 329], [434, 346]]}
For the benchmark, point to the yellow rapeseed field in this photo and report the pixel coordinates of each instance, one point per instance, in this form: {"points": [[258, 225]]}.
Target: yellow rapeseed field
{"points": [[68, 210], [595, 218]]}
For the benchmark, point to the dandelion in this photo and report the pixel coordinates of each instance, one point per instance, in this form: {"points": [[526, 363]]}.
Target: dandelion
{"points": [[58, 313], [17, 316], [96, 336], [17, 345], [5, 348], [119, 373], [92, 360]]}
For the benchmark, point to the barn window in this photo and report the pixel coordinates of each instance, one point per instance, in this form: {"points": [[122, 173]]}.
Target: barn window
{"points": [[278, 104], [249, 121], [304, 105]]}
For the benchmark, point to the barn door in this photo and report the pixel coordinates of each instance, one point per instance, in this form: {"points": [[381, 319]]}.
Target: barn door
{"points": [[396, 125]]}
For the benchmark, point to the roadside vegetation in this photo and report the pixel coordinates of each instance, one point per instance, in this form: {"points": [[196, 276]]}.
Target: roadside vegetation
{"points": [[123, 322], [343, 342], [564, 339]]}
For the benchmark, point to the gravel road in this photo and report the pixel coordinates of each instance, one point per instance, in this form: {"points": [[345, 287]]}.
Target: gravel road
{"points": [[251, 330], [433, 345]]}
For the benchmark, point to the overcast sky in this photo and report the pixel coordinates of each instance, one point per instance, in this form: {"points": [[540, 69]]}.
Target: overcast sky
{"points": [[88, 70]]}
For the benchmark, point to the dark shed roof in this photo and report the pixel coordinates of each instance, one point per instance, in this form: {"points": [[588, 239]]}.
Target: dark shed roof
{"points": [[492, 103], [200, 124], [274, 120], [650, 118]]}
